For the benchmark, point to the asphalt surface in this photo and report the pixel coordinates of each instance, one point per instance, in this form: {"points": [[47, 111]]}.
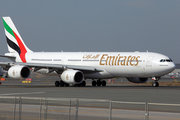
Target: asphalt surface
{"points": [[119, 90]]}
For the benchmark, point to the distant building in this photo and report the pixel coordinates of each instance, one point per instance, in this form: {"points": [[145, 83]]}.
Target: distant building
{"points": [[174, 73]]}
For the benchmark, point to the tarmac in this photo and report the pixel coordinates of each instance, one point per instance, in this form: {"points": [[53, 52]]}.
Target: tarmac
{"points": [[116, 90], [120, 90]]}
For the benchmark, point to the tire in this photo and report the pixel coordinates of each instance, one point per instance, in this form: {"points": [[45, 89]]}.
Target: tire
{"points": [[94, 83], [57, 84], [61, 83], [155, 84], [83, 84], [103, 83]]}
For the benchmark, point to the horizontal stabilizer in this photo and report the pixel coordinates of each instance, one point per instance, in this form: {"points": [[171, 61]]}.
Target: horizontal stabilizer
{"points": [[9, 57]]}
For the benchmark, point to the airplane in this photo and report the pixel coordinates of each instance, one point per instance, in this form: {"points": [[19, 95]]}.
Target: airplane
{"points": [[74, 68]]}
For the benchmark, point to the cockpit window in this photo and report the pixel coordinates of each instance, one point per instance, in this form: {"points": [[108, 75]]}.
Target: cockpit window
{"points": [[170, 59], [166, 60]]}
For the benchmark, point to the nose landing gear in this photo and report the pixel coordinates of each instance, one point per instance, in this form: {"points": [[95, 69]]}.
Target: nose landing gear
{"points": [[155, 83]]}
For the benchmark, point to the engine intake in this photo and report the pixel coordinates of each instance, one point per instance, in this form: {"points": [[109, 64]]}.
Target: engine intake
{"points": [[18, 72], [72, 76]]}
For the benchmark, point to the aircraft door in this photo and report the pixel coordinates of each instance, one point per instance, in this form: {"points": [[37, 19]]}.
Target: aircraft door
{"points": [[149, 61]]}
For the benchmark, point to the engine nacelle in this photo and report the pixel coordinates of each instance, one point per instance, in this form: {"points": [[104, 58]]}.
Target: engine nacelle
{"points": [[72, 76], [18, 72], [137, 80]]}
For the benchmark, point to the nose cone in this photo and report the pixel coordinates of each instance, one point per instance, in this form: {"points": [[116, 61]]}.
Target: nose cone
{"points": [[171, 66], [164, 67]]}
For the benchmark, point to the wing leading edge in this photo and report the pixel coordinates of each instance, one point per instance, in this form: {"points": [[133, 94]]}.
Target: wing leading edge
{"points": [[55, 67]]}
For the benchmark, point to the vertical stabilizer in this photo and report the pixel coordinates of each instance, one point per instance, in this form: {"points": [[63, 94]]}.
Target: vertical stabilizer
{"points": [[14, 41]]}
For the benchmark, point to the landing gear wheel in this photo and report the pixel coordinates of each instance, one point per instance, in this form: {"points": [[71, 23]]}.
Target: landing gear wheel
{"points": [[61, 84], [57, 83], [83, 84], [155, 84], [94, 83], [103, 83], [98, 83]]}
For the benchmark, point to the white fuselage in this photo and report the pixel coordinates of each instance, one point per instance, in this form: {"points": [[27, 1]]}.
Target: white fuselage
{"points": [[114, 64]]}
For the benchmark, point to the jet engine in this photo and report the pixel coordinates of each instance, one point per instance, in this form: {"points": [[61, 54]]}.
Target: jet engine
{"points": [[137, 80], [18, 72], [72, 76]]}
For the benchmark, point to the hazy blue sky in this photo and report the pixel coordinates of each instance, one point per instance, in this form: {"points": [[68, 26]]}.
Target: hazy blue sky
{"points": [[96, 25]]}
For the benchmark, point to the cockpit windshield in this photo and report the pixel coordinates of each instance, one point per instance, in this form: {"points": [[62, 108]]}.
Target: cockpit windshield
{"points": [[166, 60]]}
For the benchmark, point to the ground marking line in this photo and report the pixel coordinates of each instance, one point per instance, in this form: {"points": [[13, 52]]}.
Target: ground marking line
{"points": [[23, 93]]}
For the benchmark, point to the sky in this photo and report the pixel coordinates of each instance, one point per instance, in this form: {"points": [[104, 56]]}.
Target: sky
{"points": [[96, 25]]}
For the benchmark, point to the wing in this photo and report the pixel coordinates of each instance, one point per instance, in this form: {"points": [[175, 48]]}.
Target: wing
{"points": [[54, 67]]}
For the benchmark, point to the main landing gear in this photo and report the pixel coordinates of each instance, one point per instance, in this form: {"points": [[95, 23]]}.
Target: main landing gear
{"points": [[155, 83], [99, 83], [62, 84]]}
